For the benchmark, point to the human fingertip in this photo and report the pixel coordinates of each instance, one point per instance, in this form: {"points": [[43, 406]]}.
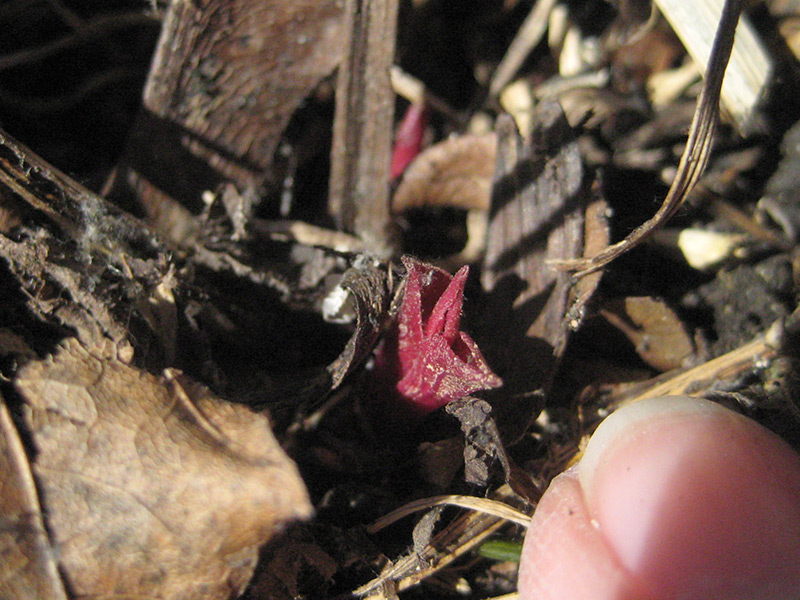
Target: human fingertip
{"points": [[564, 554], [695, 501], [627, 421]]}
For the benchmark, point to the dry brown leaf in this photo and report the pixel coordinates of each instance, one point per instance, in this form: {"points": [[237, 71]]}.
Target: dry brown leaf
{"points": [[660, 338], [27, 564], [152, 487], [368, 287], [456, 172]]}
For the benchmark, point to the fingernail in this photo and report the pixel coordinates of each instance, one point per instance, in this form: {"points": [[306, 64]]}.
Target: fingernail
{"points": [[635, 421]]}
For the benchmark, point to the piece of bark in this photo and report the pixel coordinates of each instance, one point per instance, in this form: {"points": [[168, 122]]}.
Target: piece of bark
{"points": [[28, 568], [362, 127], [596, 236], [536, 217], [31, 185], [82, 263], [226, 77], [62, 293], [152, 487]]}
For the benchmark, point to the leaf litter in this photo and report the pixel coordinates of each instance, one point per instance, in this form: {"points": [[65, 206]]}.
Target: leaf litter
{"points": [[189, 344]]}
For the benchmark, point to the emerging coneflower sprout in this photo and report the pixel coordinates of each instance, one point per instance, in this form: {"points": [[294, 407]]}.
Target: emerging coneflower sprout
{"points": [[425, 360]]}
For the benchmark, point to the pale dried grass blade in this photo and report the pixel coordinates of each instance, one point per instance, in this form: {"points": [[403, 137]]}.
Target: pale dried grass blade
{"points": [[484, 505], [749, 67], [455, 540], [528, 36]]}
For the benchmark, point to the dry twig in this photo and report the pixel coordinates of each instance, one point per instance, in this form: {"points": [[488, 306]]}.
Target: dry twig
{"points": [[695, 156]]}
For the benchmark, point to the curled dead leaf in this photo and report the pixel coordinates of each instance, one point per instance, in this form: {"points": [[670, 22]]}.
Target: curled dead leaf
{"points": [[659, 336], [456, 172], [27, 564], [152, 487]]}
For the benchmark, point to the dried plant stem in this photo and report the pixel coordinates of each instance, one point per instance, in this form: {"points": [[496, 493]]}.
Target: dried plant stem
{"points": [[490, 507], [458, 538], [528, 36], [362, 127], [695, 156], [412, 89], [699, 379]]}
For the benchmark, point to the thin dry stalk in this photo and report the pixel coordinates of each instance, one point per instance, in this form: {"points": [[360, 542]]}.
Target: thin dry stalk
{"points": [[455, 540], [695, 156], [484, 505], [526, 39], [362, 127]]}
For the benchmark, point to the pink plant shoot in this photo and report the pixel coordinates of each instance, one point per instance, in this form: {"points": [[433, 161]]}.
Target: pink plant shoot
{"points": [[408, 141], [429, 361]]}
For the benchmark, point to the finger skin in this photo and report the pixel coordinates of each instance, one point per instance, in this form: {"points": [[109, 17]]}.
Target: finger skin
{"points": [[566, 556], [676, 498]]}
